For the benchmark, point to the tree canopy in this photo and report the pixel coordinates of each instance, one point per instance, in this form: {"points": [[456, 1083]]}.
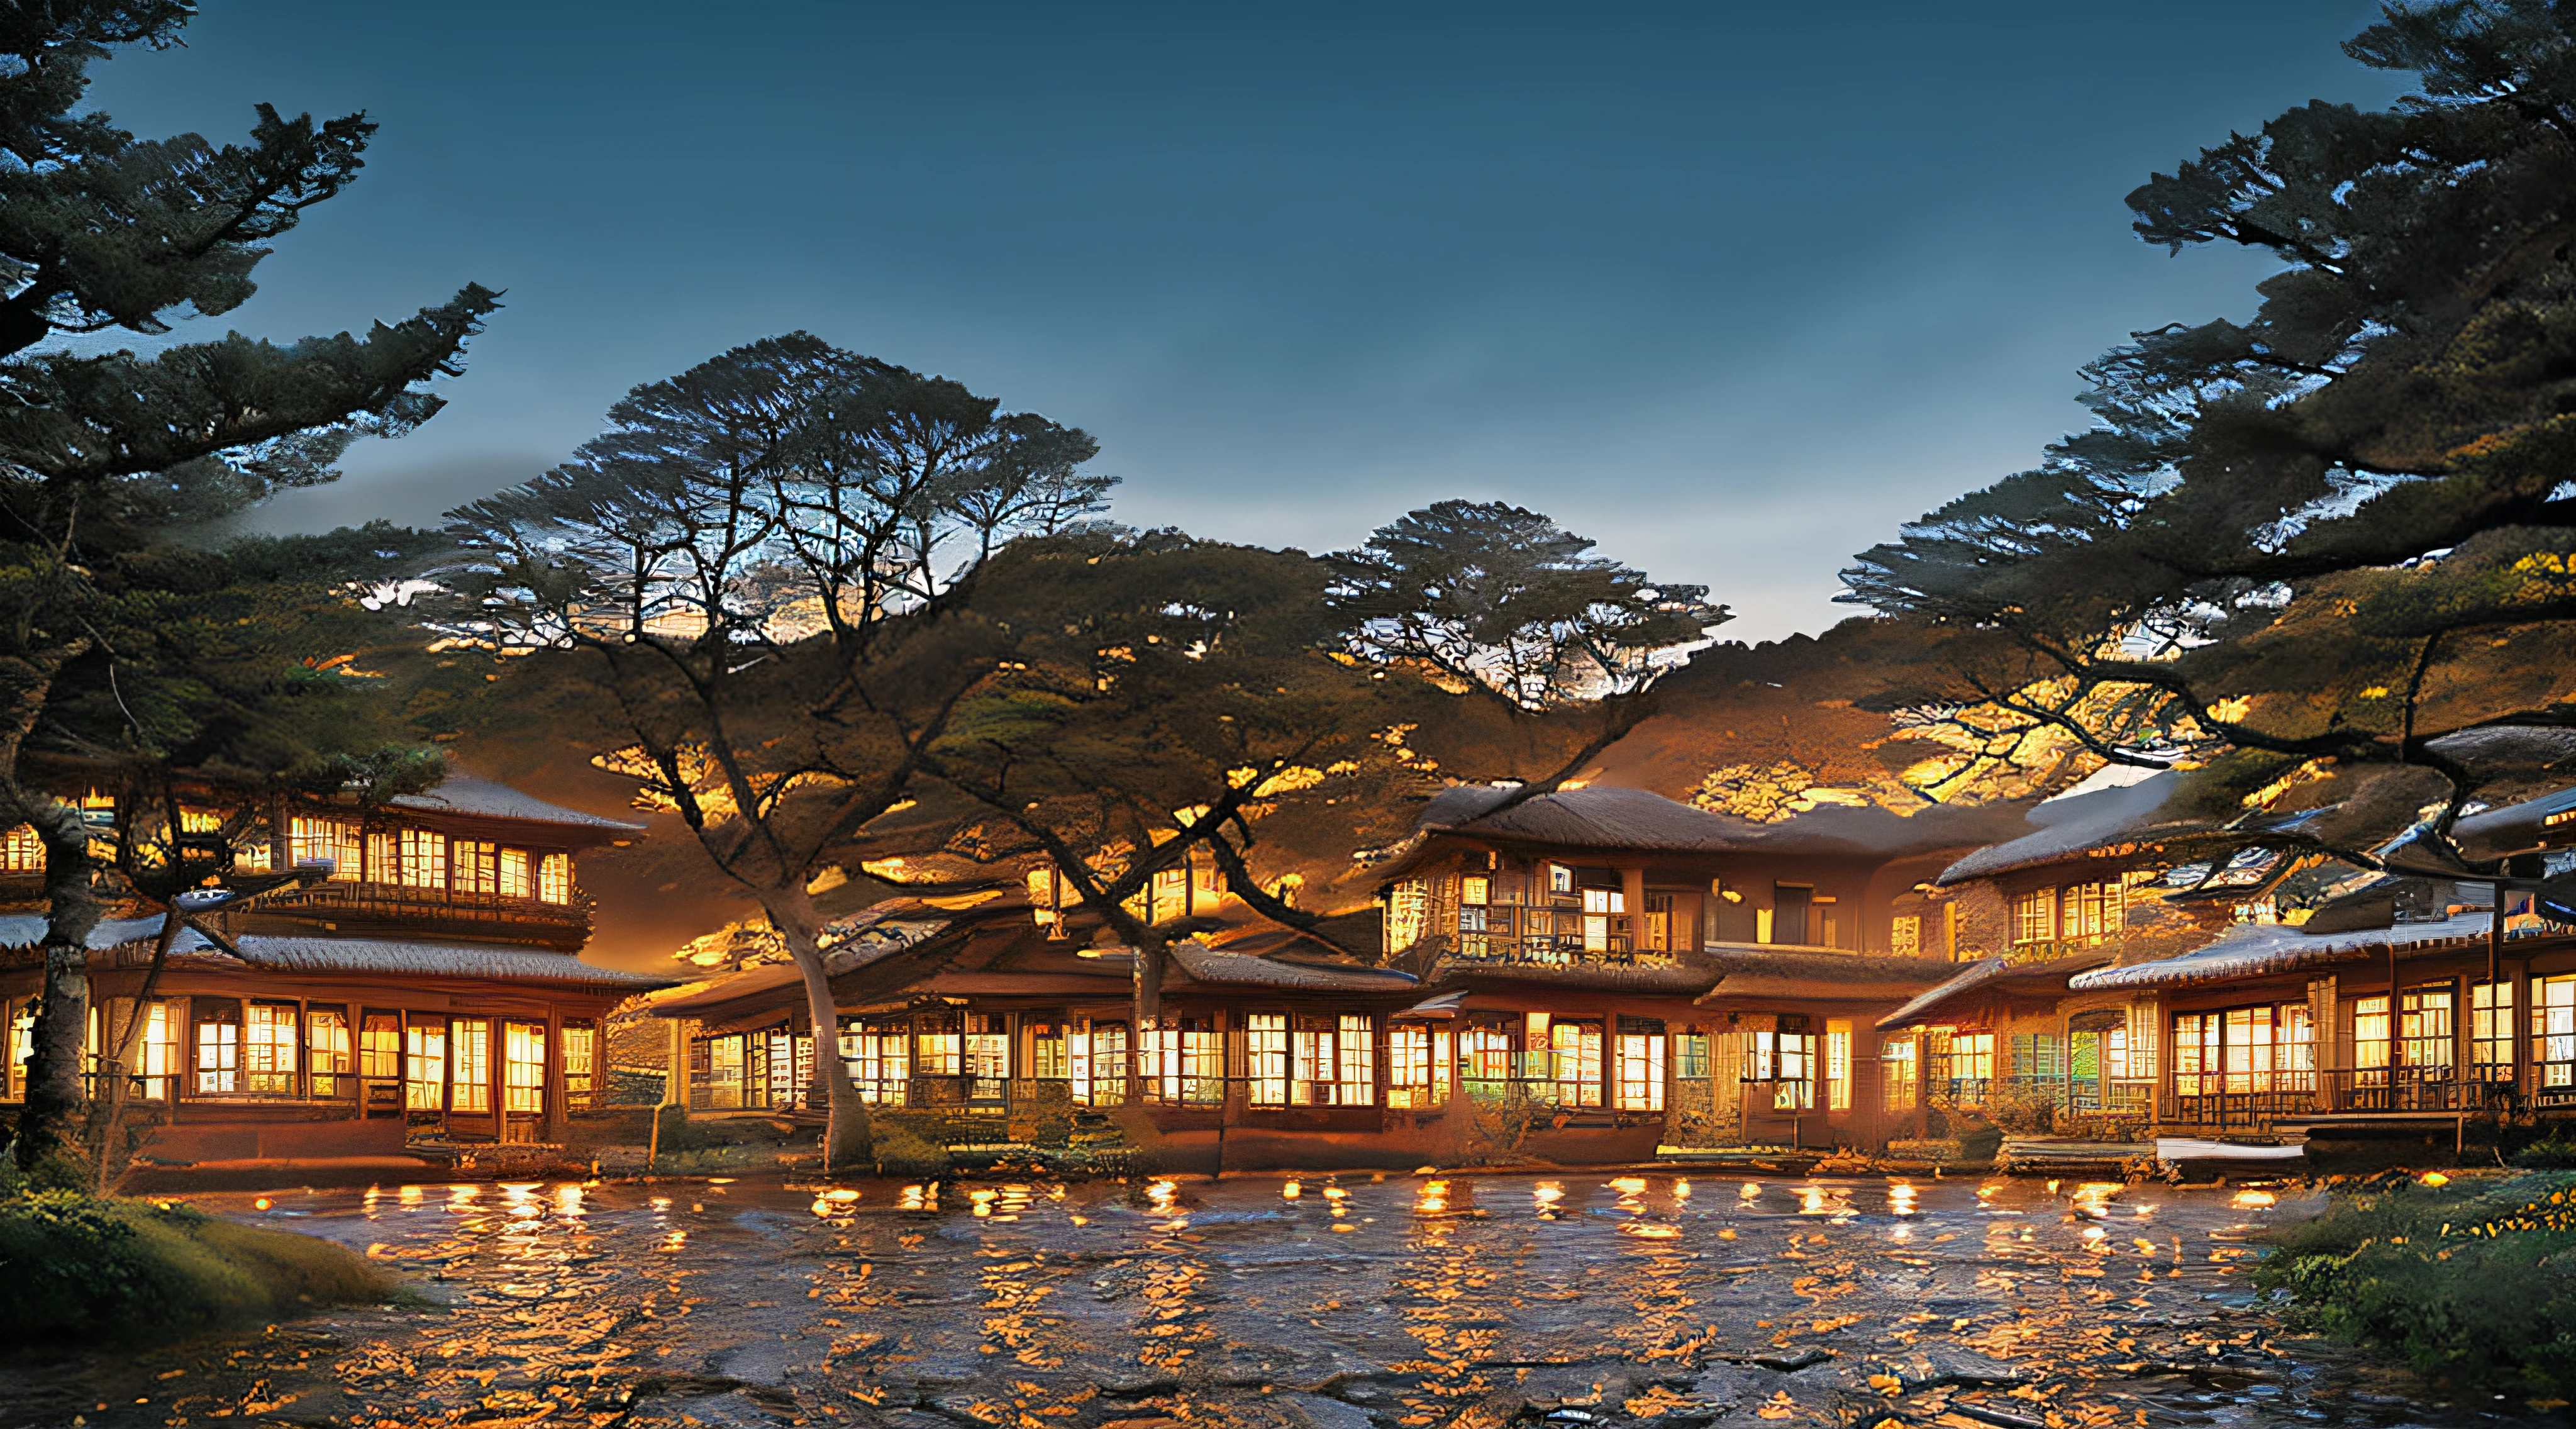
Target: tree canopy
{"points": [[2343, 530], [103, 456], [1490, 595], [765, 566]]}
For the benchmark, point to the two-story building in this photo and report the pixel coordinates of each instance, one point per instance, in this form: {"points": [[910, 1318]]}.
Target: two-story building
{"points": [[423, 980], [1545, 978]]}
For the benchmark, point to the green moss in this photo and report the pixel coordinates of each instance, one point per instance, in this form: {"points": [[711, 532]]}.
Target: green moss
{"points": [[901, 1151], [2472, 1283], [85, 1267]]}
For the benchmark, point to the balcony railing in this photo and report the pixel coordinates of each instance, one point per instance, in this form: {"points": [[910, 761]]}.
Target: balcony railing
{"points": [[400, 903], [2256, 1100], [1556, 950]]}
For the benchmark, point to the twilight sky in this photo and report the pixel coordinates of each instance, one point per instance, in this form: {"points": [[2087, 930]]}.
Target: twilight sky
{"points": [[1733, 290]]}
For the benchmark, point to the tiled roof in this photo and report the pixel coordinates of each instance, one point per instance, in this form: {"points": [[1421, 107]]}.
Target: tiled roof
{"points": [[1209, 965], [1754, 970], [1995, 974], [2516, 827], [1687, 976], [436, 960], [2081, 823], [482, 798], [2256, 950], [27, 930]]}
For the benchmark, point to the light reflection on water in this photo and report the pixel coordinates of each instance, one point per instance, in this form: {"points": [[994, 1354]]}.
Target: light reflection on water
{"points": [[1432, 1289]]}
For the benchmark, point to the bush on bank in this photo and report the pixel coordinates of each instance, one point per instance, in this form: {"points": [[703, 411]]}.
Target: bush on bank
{"points": [[2473, 1283], [86, 1267]]}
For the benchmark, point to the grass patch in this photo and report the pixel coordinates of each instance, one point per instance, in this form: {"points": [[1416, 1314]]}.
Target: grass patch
{"points": [[91, 1268], [2472, 1283]]}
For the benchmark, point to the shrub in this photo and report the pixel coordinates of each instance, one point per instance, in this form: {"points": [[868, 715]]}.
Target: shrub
{"points": [[2474, 1284], [2554, 1152], [902, 1151], [2022, 1111], [81, 1266]]}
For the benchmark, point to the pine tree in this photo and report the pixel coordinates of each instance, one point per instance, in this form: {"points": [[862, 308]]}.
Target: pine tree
{"points": [[2339, 534], [766, 567], [102, 453]]}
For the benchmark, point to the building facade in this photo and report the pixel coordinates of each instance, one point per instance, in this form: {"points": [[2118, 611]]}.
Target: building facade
{"points": [[421, 981]]}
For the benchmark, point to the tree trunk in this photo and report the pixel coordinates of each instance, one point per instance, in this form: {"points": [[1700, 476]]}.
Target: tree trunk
{"points": [[55, 1094], [110, 1155], [1150, 953], [848, 1141]]}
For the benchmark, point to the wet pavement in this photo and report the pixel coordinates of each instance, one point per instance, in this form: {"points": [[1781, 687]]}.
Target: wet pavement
{"points": [[1320, 1303]]}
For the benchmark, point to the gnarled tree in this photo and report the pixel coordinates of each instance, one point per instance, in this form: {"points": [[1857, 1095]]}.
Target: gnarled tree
{"points": [[2343, 531], [766, 567]]}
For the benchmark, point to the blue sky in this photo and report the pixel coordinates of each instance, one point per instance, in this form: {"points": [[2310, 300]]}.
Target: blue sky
{"points": [[1733, 290]]}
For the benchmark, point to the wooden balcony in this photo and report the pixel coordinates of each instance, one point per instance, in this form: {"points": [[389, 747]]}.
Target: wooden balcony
{"points": [[2256, 1101], [389, 908], [1556, 950]]}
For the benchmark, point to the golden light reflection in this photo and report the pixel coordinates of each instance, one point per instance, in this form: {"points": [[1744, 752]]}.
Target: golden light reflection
{"points": [[410, 1195], [1291, 1191], [1432, 1199], [1751, 1190], [822, 1207], [2249, 1200], [919, 1198], [661, 1203], [568, 1200], [840, 1196], [261, 1204], [1629, 1185], [2436, 1178], [1547, 1193], [1643, 1230], [1901, 1198], [981, 1202], [1811, 1200], [1160, 1193], [460, 1195], [1681, 1190]]}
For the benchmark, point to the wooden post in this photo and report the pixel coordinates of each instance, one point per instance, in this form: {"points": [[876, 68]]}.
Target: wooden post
{"points": [[2463, 1021], [1632, 893], [556, 1119]]}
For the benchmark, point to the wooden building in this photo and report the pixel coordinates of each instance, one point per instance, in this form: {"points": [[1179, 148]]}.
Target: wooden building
{"points": [[1537, 981], [2196, 978], [429, 985]]}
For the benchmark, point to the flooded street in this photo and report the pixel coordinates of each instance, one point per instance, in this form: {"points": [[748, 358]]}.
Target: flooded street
{"points": [[1322, 1303]]}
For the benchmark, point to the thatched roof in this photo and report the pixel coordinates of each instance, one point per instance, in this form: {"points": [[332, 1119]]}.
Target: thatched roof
{"points": [[1991, 975], [2260, 950]]}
